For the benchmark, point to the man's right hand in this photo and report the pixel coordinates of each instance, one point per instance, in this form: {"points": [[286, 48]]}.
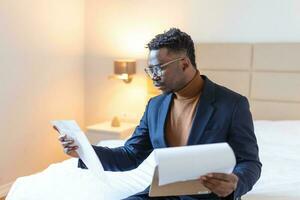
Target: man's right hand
{"points": [[68, 144]]}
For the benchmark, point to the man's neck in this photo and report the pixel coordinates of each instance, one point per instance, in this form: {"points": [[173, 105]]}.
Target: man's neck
{"points": [[192, 88]]}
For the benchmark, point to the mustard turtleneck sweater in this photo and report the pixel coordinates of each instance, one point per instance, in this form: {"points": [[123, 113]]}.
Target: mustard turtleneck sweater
{"points": [[182, 112]]}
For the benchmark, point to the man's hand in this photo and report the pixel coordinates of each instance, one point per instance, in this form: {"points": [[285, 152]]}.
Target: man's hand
{"points": [[219, 183], [68, 145]]}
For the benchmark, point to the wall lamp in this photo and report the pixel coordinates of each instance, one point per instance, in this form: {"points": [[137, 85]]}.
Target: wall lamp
{"points": [[124, 69]]}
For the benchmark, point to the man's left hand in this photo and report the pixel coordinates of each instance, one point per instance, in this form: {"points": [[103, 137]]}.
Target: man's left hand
{"points": [[219, 183]]}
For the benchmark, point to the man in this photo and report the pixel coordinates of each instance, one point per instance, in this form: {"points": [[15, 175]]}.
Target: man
{"points": [[191, 110]]}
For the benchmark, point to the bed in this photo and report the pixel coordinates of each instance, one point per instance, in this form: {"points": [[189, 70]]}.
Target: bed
{"points": [[279, 143], [268, 74]]}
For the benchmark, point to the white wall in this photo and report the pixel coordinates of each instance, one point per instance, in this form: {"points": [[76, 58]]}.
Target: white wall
{"points": [[244, 21], [121, 28], [41, 60], [41, 74]]}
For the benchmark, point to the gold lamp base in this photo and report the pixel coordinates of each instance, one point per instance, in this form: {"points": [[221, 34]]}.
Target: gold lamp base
{"points": [[115, 122]]}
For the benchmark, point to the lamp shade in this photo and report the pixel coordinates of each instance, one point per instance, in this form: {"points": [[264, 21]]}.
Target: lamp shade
{"points": [[124, 67]]}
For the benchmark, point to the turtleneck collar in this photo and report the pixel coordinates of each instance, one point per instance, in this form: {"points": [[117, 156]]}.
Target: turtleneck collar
{"points": [[192, 89]]}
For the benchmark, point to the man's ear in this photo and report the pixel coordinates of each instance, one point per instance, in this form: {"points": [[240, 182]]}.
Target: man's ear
{"points": [[185, 63], [185, 66]]}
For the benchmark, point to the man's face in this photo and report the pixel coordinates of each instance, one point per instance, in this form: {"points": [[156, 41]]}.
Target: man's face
{"points": [[172, 78]]}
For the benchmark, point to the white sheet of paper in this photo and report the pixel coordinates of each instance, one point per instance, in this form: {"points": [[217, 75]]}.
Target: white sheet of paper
{"points": [[85, 150], [190, 162]]}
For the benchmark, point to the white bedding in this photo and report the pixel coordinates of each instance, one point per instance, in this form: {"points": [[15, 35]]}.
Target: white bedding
{"points": [[64, 181], [279, 144]]}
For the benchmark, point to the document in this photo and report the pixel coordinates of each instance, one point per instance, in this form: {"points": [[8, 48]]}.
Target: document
{"points": [[85, 150], [177, 164]]}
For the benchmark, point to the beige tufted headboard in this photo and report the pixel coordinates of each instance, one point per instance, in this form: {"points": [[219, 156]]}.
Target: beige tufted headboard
{"points": [[268, 74]]}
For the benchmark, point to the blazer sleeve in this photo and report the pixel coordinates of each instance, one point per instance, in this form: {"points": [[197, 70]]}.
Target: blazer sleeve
{"points": [[244, 144], [136, 149]]}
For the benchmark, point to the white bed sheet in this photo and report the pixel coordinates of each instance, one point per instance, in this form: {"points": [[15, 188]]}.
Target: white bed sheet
{"points": [[64, 181], [279, 144]]}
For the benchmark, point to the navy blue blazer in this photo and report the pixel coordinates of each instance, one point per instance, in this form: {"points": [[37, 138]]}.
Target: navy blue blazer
{"points": [[221, 116]]}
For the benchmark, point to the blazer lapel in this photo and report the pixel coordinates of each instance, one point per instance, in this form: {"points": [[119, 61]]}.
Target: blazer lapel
{"points": [[162, 116], [203, 113]]}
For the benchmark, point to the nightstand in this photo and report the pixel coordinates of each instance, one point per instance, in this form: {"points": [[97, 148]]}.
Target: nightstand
{"points": [[104, 131]]}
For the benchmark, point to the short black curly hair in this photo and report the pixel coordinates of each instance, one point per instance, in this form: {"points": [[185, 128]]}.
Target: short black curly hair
{"points": [[176, 41]]}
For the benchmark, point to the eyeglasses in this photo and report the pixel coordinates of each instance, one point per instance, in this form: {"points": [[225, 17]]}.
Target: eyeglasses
{"points": [[157, 70]]}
